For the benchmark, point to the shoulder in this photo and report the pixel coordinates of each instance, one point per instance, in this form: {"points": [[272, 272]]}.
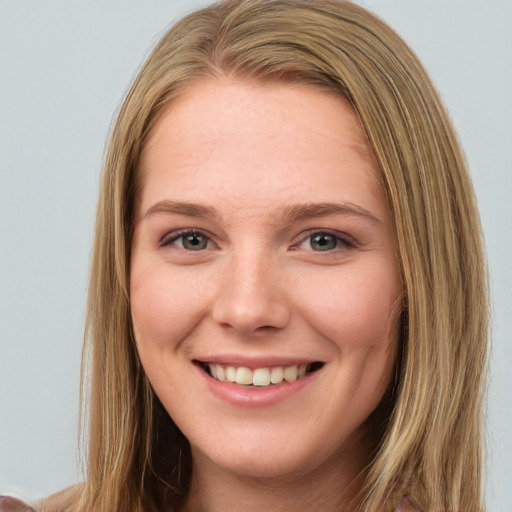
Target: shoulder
{"points": [[13, 504], [62, 501]]}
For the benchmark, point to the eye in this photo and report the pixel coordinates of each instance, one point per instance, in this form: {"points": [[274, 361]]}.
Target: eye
{"points": [[325, 241], [193, 242], [189, 240]]}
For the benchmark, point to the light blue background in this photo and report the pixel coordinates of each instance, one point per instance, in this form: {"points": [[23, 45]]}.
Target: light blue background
{"points": [[64, 67]]}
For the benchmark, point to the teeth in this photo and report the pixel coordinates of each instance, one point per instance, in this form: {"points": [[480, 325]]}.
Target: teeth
{"points": [[259, 376], [276, 375], [221, 375], [243, 375], [230, 374], [290, 373]]}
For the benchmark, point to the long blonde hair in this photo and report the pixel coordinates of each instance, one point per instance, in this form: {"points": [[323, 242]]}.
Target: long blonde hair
{"points": [[430, 443]]}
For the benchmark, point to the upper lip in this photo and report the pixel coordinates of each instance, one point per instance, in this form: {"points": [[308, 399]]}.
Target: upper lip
{"points": [[254, 362]]}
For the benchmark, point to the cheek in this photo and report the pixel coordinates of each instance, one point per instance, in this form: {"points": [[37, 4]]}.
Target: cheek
{"points": [[168, 303], [152, 307], [164, 305], [162, 315], [357, 310]]}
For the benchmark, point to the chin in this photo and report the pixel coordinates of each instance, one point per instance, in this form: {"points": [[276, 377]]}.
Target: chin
{"points": [[258, 463], [281, 457]]}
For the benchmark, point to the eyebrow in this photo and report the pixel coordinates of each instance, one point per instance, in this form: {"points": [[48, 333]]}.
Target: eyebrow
{"points": [[290, 213], [311, 210], [181, 207]]}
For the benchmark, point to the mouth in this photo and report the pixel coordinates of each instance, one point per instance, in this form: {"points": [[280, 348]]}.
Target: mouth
{"points": [[259, 377]]}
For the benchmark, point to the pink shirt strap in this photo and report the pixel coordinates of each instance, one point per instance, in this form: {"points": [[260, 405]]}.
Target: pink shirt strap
{"points": [[406, 504], [12, 504]]}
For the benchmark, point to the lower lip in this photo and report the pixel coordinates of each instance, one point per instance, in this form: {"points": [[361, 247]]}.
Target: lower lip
{"points": [[256, 396]]}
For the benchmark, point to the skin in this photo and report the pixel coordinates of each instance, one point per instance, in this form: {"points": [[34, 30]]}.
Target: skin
{"points": [[258, 287]]}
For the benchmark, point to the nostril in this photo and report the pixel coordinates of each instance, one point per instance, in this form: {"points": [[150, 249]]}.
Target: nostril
{"points": [[251, 309]]}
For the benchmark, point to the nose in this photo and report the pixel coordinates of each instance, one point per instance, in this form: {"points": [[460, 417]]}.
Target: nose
{"points": [[251, 296]]}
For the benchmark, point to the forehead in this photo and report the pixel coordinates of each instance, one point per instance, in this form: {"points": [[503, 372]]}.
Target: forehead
{"points": [[248, 140]]}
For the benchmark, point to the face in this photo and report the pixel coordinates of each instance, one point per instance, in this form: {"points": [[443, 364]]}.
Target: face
{"points": [[263, 278]]}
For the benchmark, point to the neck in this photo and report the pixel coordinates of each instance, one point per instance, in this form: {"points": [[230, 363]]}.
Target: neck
{"points": [[328, 488]]}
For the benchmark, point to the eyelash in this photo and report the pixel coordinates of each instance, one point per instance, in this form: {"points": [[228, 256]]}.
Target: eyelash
{"points": [[172, 237], [343, 241]]}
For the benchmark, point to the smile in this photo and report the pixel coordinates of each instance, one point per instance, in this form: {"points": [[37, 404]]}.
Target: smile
{"points": [[259, 377]]}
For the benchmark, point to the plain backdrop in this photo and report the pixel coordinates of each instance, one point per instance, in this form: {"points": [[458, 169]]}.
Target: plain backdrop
{"points": [[64, 68]]}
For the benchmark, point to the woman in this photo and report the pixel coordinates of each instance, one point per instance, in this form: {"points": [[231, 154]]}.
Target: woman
{"points": [[284, 204]]}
